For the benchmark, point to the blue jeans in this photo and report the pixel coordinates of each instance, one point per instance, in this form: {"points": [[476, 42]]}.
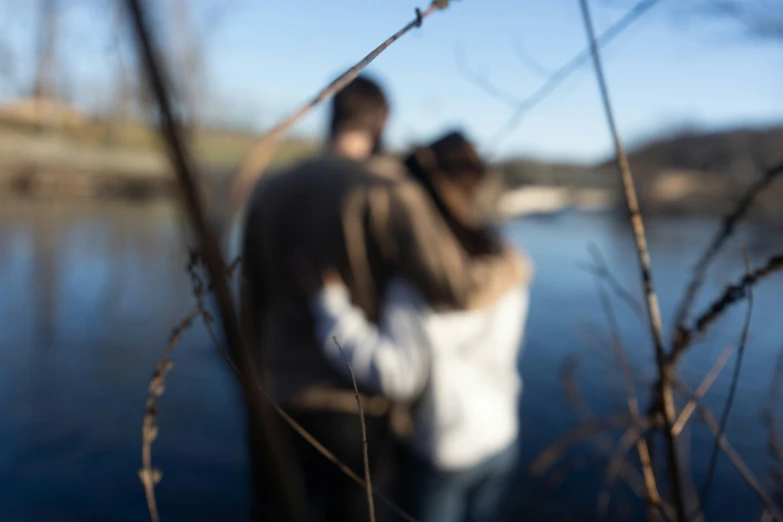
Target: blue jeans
{"points": [[475, 494]]}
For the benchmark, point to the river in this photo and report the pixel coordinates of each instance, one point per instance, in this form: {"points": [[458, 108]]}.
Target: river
{"points": [[89, 293]]}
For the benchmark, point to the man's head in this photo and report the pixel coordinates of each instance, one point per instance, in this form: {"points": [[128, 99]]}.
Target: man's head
{"points": [[360, 112]]}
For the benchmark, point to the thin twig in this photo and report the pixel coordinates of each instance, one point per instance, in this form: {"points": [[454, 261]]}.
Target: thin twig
{"points": [[366, 456], [199, 309], [732, 388], [555, 451], [770, 419], [733, 294], [548, 458], [617, 288], [573, 65], [653, 498], [482, 81], [616, 459], [271, 453], [602, 442], [151, 476], [320, 448], [653, 310], [540, 491], [731, 453], [724, 233], [529, 61], [573, 395], [262, 152], [690, 485], [149, 432], [704, 386]]}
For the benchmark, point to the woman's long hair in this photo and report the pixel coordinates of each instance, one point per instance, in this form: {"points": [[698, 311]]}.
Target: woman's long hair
{"points": [[452, 158]]}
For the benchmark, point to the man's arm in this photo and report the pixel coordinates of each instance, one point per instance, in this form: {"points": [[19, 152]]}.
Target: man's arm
{"points": [[418, 242]]}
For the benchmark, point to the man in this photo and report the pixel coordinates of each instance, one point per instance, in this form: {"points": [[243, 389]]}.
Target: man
{"points": [[333, 210]]}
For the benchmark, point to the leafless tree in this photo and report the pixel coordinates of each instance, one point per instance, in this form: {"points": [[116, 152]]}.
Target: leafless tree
{"points": [[761, 19]]}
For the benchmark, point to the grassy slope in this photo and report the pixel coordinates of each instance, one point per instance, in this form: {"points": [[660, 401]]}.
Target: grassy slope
{"points": [[129, 149]]}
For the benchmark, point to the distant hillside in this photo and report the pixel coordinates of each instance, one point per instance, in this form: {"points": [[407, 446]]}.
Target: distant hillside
{"points": [[700, 172], [526, 171], [731, 153], [695, 172]]}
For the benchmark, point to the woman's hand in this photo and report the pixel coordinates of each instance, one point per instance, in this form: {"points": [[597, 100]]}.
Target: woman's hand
{"points": [[331, 277], [312, 279]]}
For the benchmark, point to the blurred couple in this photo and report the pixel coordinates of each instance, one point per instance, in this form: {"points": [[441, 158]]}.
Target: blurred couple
{"points": [[390, 266]]}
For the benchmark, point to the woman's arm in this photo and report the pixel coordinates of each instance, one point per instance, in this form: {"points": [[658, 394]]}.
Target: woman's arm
{"points": [[391, 359]]}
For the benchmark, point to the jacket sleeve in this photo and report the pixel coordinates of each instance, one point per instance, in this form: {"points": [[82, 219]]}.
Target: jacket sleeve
{"points": [[415, 239], [391, 359]]}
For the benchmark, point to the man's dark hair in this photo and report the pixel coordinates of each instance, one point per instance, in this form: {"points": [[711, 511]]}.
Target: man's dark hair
{"points": [[361, 105]]}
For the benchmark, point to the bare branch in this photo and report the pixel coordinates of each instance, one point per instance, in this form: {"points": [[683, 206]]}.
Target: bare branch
{"points": [[653, 311], [199, 309], [615, 469], [652, 495], [555, 451], [725, 232], [151, 476], [368, 482], [567, 69], [759, 22], [731, 453], [770, 415], [617, 288], [692, 498], [705, 385], [733, 294], [261, 153], [149, 432], [529, 61], [482, 81], [262, 423], [732, 388]]}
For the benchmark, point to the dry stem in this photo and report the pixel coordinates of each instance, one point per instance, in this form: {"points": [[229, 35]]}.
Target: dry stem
{"points": [[723, 234], [733, 387], [733, 294], [704, 386], [652, 497], [566, 70], [714, 426], [261, 153], [365, 455], [654, 314], [271, 453]]}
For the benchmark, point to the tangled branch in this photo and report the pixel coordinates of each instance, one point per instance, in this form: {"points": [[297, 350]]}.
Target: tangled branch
{"points": [[664, 390], [732, 388], [562, 73], [736, 460], [652, 496], [731, 295], [724, 233], [288, 506], [200, 291]]}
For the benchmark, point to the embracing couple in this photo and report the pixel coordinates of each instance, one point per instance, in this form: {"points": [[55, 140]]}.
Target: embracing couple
{"points": [[389, 266]]}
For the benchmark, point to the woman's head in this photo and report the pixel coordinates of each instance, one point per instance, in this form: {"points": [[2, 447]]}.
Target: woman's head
{"points": [[451, 171]]}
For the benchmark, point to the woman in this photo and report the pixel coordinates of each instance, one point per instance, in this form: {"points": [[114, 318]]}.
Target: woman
{"points": [[460, 367]]}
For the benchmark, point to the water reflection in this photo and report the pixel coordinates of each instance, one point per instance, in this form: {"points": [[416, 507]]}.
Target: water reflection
{"points": [[89, 292]]}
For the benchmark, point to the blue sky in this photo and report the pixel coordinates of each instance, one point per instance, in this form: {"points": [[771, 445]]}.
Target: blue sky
{"points": [[670, 69]]}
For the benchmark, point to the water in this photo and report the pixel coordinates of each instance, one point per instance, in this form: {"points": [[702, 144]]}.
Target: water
{"points": [[89, 293]]}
